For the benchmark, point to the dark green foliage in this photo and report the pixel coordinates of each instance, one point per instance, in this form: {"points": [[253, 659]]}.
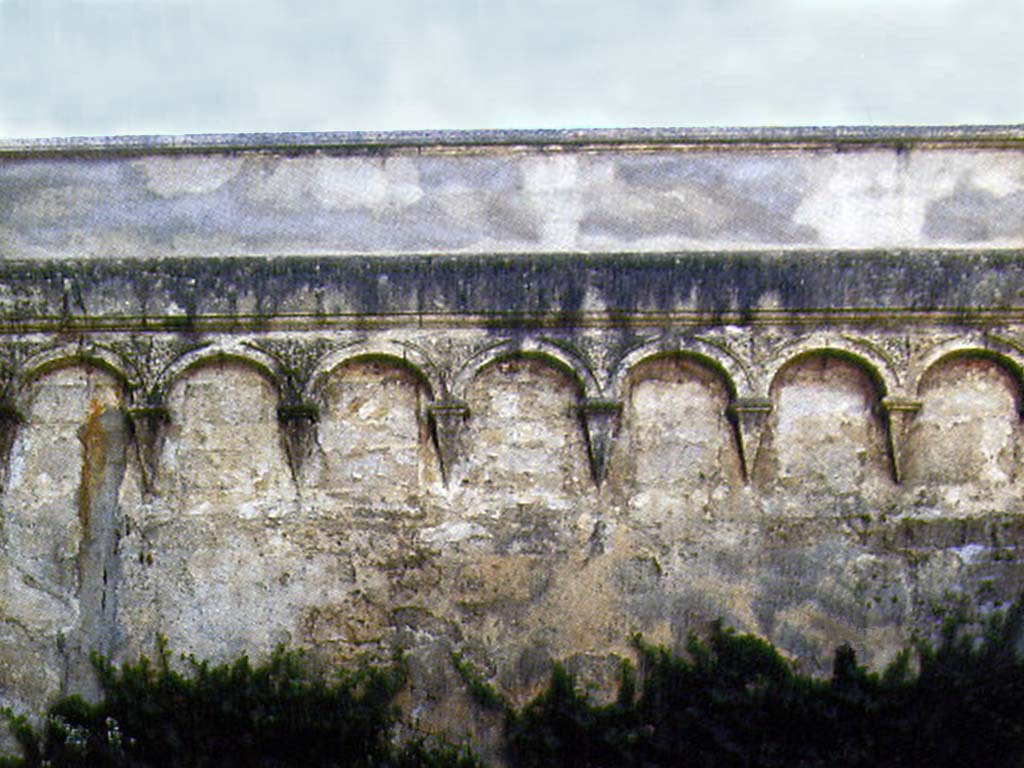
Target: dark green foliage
{"points": [[561, 728], [485, 694], [432, 753], [734, 701], [275, 715], [730, 700]]}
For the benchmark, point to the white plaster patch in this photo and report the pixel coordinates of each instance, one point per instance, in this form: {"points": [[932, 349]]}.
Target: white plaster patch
{"points": [[452, 532], [340, 183], [860, 200], [881, 198], [357, 182], [552, 185], [175, 176]]}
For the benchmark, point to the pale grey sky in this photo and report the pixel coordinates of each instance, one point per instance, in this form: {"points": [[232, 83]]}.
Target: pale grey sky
{"points": [[89, 67]]}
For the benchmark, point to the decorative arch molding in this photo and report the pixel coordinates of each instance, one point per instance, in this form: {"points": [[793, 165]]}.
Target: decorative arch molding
{"points": [[746, 414], [598, 415], [68, 356], [892, 404], [726, 366], [445, 419], [297, 418], [37, 366], [880, 370], [1004, 352], [231, 352], [403, 355], [555, 355]]}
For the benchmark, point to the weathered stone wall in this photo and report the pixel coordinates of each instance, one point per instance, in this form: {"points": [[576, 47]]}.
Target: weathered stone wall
{"points": [[363, 393]]}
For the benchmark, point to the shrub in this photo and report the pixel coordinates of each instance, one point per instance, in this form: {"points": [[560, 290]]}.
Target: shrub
{"points": [[729, 700], [274, 715], [733, 700]]}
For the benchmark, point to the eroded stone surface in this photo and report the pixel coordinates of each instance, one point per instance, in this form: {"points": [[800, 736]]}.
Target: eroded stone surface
{"points": [[819, 446], [521, 557]]}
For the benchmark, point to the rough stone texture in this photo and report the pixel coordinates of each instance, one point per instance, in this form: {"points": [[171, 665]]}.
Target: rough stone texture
{"points": [[362, 394]]}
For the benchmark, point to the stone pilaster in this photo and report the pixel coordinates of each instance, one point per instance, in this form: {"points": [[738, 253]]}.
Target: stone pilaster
{"points": [[749, 416]]}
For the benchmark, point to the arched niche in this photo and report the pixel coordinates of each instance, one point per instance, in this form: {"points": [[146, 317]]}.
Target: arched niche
{"points": [[826, 436], [59, 508], [373, 433], [51, 479], [223, 454], [967, 430], [224, 563], [524, 440], [677, 450]]}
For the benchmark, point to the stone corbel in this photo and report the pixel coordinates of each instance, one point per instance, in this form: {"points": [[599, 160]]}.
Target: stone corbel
{"points": [[149, 428], [750, 417], [447, 419], [298, 420], [600, 424], [898, 413]]}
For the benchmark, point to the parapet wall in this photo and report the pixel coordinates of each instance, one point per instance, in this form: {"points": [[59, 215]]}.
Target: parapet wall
{"points": [[519, 396]]}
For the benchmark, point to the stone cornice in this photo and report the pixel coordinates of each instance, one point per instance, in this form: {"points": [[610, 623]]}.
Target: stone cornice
{"points": [[744, 288]]}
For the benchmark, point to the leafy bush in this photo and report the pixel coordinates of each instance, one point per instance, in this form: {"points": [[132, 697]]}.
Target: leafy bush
{"points": [[730, 700], [274, 715]]}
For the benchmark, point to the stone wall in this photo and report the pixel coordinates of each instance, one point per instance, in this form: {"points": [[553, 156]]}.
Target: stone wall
{"points": [[516, 396]]}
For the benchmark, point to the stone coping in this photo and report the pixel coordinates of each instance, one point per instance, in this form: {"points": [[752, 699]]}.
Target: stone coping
{"points": [[959, 135]]}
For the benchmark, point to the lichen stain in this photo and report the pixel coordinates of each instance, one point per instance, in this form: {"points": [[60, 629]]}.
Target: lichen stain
{"points": [[94, 458]]}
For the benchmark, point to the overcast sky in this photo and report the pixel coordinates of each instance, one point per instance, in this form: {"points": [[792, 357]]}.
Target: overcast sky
{"points": [[89, 67]]}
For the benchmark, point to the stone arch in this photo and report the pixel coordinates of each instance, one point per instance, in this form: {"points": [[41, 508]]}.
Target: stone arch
{"points": [[826, 434], [879, 369], [677, 455], [1003, 355], [65, 357], [549, 353], [967, 430], [374, 438], [13, 410], [240, 354], [735, 377], [389, 352]]}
